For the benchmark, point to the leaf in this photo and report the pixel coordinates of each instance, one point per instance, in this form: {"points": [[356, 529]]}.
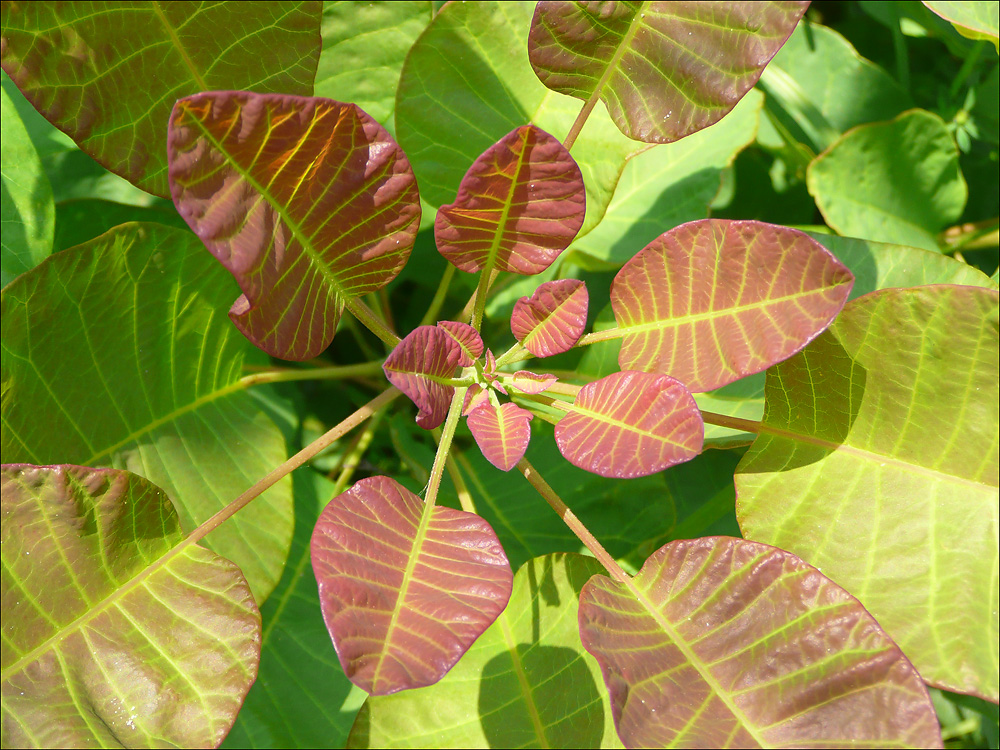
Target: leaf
{"points": [[663, 70], [537, 687], [144, 374], [467, 338], [552, 319], [896, 182], [113, 99], [529, 382], [301, 243], [501, 434], [405, 589], [976, 20], [111, 638], [866, 441], [713, 301], [518, 207], [720, 642], [425, 356], [631, 424]]}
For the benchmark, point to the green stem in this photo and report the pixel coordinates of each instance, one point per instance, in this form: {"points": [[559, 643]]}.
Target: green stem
{"points": [[512, 354], [367, 317], [284, 375], [735, 423], [609, 334], [434, 481], [485, 279], [464, 498], [430, 317], [581, 119], [350, 462]]}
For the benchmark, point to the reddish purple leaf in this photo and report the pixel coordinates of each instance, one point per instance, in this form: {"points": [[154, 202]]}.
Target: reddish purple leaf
{"points": [[466, 337], [721, 642], [416, 366], [307, 202], [552, 319], [529, 382], [501, 434], [520, 204], [474, 398], [712, 301], [631, 424], [404, 595]]}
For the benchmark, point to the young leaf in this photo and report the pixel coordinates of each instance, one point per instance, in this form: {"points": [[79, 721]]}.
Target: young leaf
{"points": [[720, 642], [664, 70], [109, 640], [712, 301], [501, 434], [529, 382], [426, 354], [520, 204], [552, 320], [467, 338], [631, 424], [404, 592], [307, 202]]}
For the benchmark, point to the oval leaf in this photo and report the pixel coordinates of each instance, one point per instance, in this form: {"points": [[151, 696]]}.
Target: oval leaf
{"points": [[529, 382], [103, 630], [501, 434], [664, 70], [631, 424], [552, 319], [307, 202], [467, 338], [427, 355], [405, 589], [520, 204], [712, 301], [719, 642]]}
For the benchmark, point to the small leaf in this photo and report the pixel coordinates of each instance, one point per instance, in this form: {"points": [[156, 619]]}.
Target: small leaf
{"points": [[529, 382], [720, 642], [552, 319], [501, 434], [712, 301], [405, 590], [467, 338], [307, 202], [520, 204], [415, 366], [475, 397], [631, 424]]}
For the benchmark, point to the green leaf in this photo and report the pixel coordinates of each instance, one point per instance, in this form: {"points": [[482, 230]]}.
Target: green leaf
{"points": [[877, 463], [112, 636], [974, 20], [114, 98], [144, 375]]}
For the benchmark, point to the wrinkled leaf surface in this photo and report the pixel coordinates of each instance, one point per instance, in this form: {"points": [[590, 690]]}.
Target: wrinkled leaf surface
{"points": [[552, 319], [417, 364]]}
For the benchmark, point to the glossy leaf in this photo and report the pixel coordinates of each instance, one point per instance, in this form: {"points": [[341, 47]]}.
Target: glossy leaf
{"points": [[104, 626], [467, 338], [866, 441], [713, 301], [405, 589], [307, 202], [976, 20], [664, 70], [114, 98], [427, 355], [529, 382], [552, 319], [502, 434], [475, 397], [144, 374], [721, 642], [631, 424], [518, 207]]}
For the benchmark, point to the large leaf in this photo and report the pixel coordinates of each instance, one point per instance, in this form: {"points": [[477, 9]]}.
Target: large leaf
{"points": [[307, 202], [405, 589], [115, 354], [631, 424], [114, 98], [111, 638], [975, 20], [520, 204], [418, 364], [664, 70], [720, 642], [502, 434], [879, 440], [713, 301]]}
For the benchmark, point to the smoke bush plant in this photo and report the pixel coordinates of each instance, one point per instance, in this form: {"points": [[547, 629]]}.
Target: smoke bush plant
{"points": [[523, 192]]}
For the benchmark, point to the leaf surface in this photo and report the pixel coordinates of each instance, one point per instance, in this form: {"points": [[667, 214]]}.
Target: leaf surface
{"points": [[502, 434], [973, 20], [530, 382], [417, 364], [110, 640], [664, 70], [720, 642], [405, 590], [714, 300], [631, 424], [552, 319], [467, 338]]}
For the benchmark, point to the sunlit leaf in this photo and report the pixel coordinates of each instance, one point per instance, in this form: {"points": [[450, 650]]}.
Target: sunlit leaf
{"points": [[664, 70], [467, 338], [501, 434], [405, 590], [552, 319], [877, 463], [631, 424], [520, 204], [114, 98], [713, 301], [307, 202], [416, 366], [475, 397], [110, 638], [975, 20], [529, 382]]}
